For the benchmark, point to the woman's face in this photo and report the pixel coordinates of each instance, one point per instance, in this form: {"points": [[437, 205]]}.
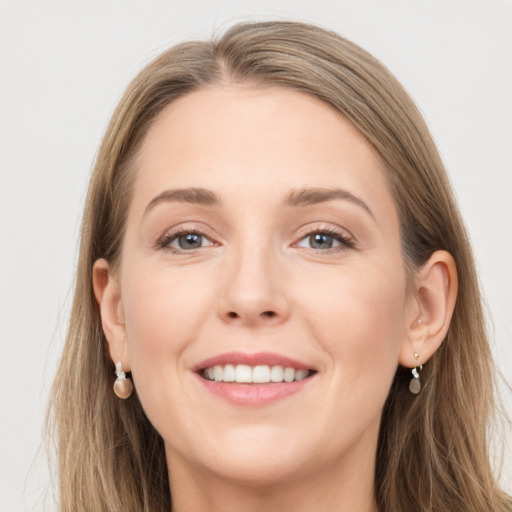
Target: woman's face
{"points": [[261, 236]]}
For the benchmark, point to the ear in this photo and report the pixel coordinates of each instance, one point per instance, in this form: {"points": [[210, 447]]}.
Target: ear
{"points": [[108, 296], [430, 309]]}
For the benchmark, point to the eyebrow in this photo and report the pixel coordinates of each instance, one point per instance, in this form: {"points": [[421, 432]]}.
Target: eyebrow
{"points": [[192, 195], [296, 198], [312, 196]]}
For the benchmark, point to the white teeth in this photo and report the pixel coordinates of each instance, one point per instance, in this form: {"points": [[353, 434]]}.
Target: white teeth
{"points": [[229, 373], [289, 374], [261, 374], [277, 374], [218, 373], [243, 373], [301, 374]]}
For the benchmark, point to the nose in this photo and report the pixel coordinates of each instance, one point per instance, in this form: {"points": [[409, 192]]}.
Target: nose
{"points": [[254, 289]]}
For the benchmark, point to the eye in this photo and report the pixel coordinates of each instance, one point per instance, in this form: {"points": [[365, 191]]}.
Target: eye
{"points": [[325, 240], [185, 241]]}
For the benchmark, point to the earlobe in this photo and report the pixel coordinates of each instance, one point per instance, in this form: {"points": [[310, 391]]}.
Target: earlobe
{"points": [[108, 296], [433, 301]]}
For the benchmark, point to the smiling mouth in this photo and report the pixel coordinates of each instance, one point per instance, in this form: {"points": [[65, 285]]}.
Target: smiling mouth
{"points": [[259, 374]]}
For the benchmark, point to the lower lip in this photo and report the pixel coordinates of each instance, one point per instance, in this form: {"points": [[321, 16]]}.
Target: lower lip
{"points": [[254, 394]]}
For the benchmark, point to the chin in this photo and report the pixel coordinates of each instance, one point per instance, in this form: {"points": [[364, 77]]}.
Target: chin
{"points": [[258, 471], [255, 456]]}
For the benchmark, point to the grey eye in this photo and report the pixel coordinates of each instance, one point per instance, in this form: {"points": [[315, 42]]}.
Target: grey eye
{"points": [[320, 241], [189, 241]]}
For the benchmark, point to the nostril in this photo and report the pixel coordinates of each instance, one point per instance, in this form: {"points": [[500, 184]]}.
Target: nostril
{"points": [[268, 314]]}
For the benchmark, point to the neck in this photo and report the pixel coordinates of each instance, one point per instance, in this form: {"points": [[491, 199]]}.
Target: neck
{"points": [[334, 488]]}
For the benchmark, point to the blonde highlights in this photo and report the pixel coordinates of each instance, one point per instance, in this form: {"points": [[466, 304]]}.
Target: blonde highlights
{"points": [[432, 452]]}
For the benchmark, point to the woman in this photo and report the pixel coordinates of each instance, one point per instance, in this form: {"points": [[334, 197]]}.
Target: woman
{"points": [[271, 247]]}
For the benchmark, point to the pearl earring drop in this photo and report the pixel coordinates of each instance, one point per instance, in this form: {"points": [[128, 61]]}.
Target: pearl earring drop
{"points": [[123, 386], [415, 383]]}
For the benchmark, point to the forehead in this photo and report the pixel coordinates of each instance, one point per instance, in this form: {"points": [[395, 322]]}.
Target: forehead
{"points": [[237, 138]]}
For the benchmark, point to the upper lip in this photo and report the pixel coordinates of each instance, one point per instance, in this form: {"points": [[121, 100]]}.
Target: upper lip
{"points": [[255, 359]]}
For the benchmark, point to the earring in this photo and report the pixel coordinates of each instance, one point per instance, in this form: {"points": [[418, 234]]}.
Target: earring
{"points": [[415, 384], [123, 386]]}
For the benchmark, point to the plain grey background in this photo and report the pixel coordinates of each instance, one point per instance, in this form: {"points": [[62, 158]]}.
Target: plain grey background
{"points": [[64, 65]]}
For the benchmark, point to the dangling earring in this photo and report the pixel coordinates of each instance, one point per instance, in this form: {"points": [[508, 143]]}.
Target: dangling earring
{"points": [[123, 386], [415, 384]]}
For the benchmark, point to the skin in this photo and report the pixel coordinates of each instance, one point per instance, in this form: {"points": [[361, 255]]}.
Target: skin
{"points": [[350, 312]]}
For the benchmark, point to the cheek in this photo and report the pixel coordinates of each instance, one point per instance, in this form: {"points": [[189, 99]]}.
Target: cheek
{"points": [[163, 313], [358, 319]]}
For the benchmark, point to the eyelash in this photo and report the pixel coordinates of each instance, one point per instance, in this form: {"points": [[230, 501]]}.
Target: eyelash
{"points": [[346, 242], [168, 238]]}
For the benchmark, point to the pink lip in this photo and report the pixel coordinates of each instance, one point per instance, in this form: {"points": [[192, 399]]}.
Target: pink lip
{"points": [[259, 358], [252, 394]]}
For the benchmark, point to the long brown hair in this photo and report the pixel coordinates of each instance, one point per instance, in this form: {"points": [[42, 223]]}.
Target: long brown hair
{"points": [[433, 449]]}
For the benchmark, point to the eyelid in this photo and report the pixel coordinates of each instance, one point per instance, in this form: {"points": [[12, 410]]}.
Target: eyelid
{"points": [[345, 237], [172, 233]]}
